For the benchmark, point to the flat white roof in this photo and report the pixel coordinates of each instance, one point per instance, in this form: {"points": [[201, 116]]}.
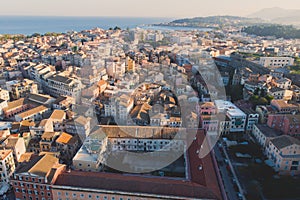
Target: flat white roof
{"points": [[5, 125], [229, 107]]}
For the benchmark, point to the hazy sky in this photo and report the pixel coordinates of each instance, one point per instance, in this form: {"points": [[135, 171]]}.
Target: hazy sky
{"points": [[140, 8]]}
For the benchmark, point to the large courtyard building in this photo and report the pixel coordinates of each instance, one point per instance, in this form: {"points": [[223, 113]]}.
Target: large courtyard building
{"points": [[187, 177]]}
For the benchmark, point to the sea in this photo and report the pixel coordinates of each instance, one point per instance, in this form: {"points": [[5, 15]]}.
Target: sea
{"points": [[28, 25]]}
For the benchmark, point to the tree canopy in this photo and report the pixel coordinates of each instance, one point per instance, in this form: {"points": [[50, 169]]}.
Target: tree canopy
{"points": [[279, 31]]}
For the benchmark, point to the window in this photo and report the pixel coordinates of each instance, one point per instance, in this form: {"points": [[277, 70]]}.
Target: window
{"points": [[82, 195], [294, 168], [295, 163]]}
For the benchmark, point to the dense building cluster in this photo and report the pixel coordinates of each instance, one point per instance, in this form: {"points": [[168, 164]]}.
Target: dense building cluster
{"points": [[71, 103]]}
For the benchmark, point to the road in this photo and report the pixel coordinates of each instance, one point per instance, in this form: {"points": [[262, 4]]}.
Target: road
{"points": [[241, 191], [226, 175]]}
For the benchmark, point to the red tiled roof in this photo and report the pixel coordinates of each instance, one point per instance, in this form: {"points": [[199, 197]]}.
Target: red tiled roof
{"points": [[134, 184], [201, 184]]}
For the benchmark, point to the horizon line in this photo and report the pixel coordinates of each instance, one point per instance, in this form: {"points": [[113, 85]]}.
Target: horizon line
{"points": [[111, 16]]}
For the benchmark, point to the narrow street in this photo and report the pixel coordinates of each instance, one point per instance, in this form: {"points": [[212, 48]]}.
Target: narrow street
{"points": [[226, 175]]}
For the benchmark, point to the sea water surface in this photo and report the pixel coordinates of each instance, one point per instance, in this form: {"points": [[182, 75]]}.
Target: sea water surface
{"points": [[41, 24], [28, 25]]}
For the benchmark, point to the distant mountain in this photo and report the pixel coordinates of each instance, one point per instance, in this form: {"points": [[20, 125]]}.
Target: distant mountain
{"points": [[278, 15]]}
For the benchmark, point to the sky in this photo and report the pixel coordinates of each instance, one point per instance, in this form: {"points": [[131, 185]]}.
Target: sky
{"points": [[140, 8]]}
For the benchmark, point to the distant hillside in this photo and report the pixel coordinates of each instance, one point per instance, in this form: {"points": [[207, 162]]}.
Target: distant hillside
{"points": [[213, 21], [279, 31], [278, 15]]}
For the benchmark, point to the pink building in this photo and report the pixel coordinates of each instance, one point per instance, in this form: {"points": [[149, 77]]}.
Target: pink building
{"points": [[209, 122], [208, 108], [288, 124], [15, 107], [283, 107]]}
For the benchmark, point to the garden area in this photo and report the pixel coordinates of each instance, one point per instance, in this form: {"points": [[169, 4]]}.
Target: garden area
{"points": [[261, 181]]}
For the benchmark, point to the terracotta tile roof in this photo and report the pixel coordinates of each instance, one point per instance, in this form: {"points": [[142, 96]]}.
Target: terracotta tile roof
{"points": [[64, 138], [4, 154], [48, 135], [44, 165], [58, 115], [138, 131], [201, 183], [208, 104], [134, 184], [14, 104], [284, 141], [32, 111], [26, 157]]}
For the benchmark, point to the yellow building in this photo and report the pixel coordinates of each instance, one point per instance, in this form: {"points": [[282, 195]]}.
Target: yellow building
{"points": [[130, 65], [284, 153]]}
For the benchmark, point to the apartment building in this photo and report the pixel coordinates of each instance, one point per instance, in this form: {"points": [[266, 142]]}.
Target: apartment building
{"points": [[7, 165], [283, 107], [16, 144], [58, 85], [209, 122], [4, 94], [252, 117], [119, 107], [237, 117], [287, 123], [15, 107], [34, 114], [33, 178], [208, 108], [283, 83], [20, 89], [47, 141], [80, 126], [263, 134], [58, 118], [274, 62], [67, 145], [284, 152], [281, 94], [3, 104]]}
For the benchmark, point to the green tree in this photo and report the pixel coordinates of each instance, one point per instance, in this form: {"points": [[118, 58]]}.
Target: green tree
{"points": [[269, 97], [262, 101], [117, 28]]}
